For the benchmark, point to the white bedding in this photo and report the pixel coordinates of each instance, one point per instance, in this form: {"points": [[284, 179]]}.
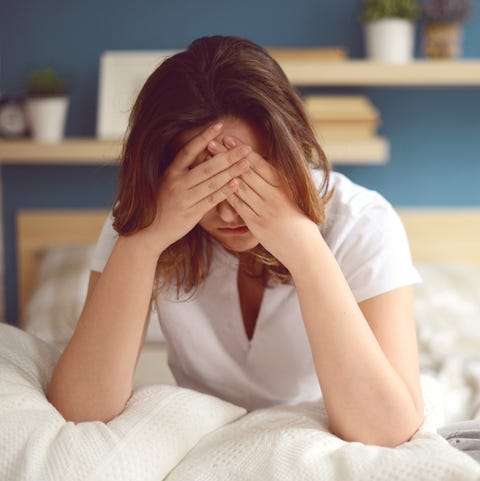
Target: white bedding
{"points": [[156, 430], [167, 432], [447, 310]]}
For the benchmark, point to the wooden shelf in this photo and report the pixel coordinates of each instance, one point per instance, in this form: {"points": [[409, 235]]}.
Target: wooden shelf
{"points": [[302, 70], [69, 151], [344, 73], [93, 151]]}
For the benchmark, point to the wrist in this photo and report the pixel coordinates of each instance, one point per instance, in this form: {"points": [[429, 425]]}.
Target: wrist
{"points": [[142, 244], [304, 249]]}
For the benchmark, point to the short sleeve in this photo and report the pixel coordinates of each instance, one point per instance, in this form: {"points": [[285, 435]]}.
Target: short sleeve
{"points": [[368, 240], [104, 246]]}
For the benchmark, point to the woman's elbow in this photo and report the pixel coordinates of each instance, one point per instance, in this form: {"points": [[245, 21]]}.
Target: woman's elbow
{"points": [[80, 412], [392, 436], [401, 436]]}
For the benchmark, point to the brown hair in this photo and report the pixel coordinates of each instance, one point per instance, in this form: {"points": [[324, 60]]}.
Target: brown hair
{"points": [[215, 77]]}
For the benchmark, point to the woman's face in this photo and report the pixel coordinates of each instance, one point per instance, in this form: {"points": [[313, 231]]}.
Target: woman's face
{"points": [[222, 222]]}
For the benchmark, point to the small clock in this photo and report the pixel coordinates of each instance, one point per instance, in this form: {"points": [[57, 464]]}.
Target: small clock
{"points": [[13, 120]]}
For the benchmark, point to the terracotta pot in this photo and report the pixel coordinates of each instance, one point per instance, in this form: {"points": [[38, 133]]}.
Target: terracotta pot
{"points": [[443, 40]]}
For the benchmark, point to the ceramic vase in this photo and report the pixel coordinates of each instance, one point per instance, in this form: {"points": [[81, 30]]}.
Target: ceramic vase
{"points": [[390, 40], [47, 117]]}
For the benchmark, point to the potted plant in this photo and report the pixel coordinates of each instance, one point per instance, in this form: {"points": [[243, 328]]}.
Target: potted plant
{"points": [[389, 29], [46, 105], [443, 32]]}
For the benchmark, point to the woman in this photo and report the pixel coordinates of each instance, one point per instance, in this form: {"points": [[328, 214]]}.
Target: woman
{"points": [[275, 281]]}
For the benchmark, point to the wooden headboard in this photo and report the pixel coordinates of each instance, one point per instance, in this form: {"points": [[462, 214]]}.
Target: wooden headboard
{"points": [[446, 235], [38, 230], [443, 235]]}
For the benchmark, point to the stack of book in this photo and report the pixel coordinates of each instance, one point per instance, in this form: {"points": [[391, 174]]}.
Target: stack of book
{"points": [[343, 117]]}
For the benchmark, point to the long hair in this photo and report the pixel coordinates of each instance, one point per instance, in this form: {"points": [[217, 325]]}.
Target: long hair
{"points": [[214, 78]]}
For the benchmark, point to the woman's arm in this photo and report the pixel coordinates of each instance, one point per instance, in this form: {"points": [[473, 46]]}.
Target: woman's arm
{"points": [[93, 378], [365, 355]]}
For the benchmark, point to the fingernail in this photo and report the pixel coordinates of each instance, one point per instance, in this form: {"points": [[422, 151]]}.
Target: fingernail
{"points": [[217, 127], [212, 145], [229, 142], [245, 150]]}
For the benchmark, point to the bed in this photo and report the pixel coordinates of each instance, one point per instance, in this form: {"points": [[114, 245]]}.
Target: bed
{"points": [[167, 432]]}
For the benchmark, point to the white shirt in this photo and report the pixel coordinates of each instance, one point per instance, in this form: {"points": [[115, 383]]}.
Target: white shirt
{"points": [[208, 349]]}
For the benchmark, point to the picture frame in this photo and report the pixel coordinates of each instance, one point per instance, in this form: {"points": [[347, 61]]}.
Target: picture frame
{"points": [[121, 77]]}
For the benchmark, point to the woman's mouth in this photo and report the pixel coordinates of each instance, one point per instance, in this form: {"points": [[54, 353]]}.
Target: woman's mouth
{"points": [[243, 229]]}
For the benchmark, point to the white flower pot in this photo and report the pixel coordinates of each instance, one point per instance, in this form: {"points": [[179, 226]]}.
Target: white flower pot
{"points": [[46, 117], [390, 40]]}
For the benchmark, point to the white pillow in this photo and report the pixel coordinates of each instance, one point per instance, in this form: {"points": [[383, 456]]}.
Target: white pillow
{"points": [[158, 427], [59, 294]]}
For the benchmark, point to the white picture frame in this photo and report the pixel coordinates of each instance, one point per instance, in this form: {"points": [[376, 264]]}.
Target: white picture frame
{"points": [[122, 75]]}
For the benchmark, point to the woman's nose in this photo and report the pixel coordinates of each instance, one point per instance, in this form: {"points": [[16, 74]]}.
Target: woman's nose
{"points": [[226, 212]]}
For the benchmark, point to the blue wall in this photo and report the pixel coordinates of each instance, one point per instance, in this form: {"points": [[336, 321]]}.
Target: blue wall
{"points": [[434, 133]]}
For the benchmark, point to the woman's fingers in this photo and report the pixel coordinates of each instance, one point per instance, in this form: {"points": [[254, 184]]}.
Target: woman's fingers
{"points": [[263, 168], [210, 186], [255, 196], [214, 148], [244, 210], [214, 198], [218, 163], [192, 149], [252, 182]]}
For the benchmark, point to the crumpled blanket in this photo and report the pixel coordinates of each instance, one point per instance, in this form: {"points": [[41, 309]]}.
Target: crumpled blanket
{"points": [[156, 430], [447, 310], [464, 435], [167, 432]]}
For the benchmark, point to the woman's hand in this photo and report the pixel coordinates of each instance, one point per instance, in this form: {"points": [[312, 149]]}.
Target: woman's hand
{"points": [[188, 191], [265, 204]]}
